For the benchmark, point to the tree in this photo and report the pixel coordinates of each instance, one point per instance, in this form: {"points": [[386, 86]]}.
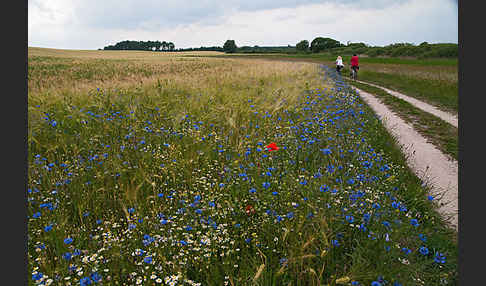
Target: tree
{"points": [[302, 46], [170, 46], [229, 46], [321, 44]]}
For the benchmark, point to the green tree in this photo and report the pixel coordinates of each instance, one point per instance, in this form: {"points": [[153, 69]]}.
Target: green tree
{"points": [[302, 46], [170, 46], [320, 44], [229, 46]]}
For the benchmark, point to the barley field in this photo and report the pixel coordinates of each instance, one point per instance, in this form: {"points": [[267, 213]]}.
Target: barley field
{"points": [[151, 168], [434, 81]]}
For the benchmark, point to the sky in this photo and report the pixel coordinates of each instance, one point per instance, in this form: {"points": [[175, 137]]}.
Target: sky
{"points": [[94, 24]]}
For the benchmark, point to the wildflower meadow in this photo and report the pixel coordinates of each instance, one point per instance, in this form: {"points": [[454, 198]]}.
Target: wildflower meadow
{"points": [[278, 175]]}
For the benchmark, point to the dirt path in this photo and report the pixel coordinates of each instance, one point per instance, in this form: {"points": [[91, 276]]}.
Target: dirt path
{"points": [[447, 117], [428, 163]]}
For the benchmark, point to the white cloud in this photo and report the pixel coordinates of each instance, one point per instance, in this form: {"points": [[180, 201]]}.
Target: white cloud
{"points": [[90, 25]]}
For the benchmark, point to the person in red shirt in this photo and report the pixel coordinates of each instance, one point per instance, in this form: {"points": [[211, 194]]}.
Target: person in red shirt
{"points": [[355, 63]]}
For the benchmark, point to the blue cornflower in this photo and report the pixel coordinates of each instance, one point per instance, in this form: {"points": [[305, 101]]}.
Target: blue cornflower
{"points": [[47, 228], [414, 222], [439, 258], [67, 255], [375, 283], [252, 190], [335, 242], [95, 277], [68, 240], [362, 227], [131, 210], [139, 252], [422, 237], [84, 281], [211, 204], [36, 215], [266, 185], [199, 211], [147, 239], [274, 193], [326, 151], [290, 215], [248, 240], [406, 250], [148, 259], [424, 250], [366, 217], [349, 218], [37, 276], [188, 228]]}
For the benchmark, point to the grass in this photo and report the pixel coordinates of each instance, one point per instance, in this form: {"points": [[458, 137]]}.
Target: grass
{"points": [[365, 60], [164, 176], [434, 81], [440, 93], [440, 133]]}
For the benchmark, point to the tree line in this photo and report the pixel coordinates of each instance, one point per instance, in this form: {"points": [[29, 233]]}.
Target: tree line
{"points": [[423, 50], [142, 46], [334, 47], [317, 45]]}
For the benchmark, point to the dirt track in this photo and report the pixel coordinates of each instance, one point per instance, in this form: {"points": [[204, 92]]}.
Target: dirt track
{"points": [[428, 163], [447, 117]]}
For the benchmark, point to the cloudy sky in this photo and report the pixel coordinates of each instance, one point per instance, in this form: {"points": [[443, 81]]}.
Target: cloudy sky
{"points": [[93, 24]]}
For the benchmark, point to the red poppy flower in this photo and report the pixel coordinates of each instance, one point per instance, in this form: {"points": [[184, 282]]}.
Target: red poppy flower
{"points": [[272, 147], [249, 210]]}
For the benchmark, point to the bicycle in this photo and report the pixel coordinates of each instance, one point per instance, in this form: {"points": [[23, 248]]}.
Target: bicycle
{"points": [[354, 74]]}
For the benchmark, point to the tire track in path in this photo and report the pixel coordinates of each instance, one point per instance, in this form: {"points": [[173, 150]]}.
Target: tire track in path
{"points": [[447, 117], [426, 161]]}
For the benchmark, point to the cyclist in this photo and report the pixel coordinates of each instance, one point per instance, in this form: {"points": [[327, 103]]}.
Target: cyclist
{"points": [[355, 64], [339, 64]]}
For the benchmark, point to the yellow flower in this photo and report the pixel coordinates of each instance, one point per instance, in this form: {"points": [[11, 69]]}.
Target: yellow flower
{"points": [[343, 280]]}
